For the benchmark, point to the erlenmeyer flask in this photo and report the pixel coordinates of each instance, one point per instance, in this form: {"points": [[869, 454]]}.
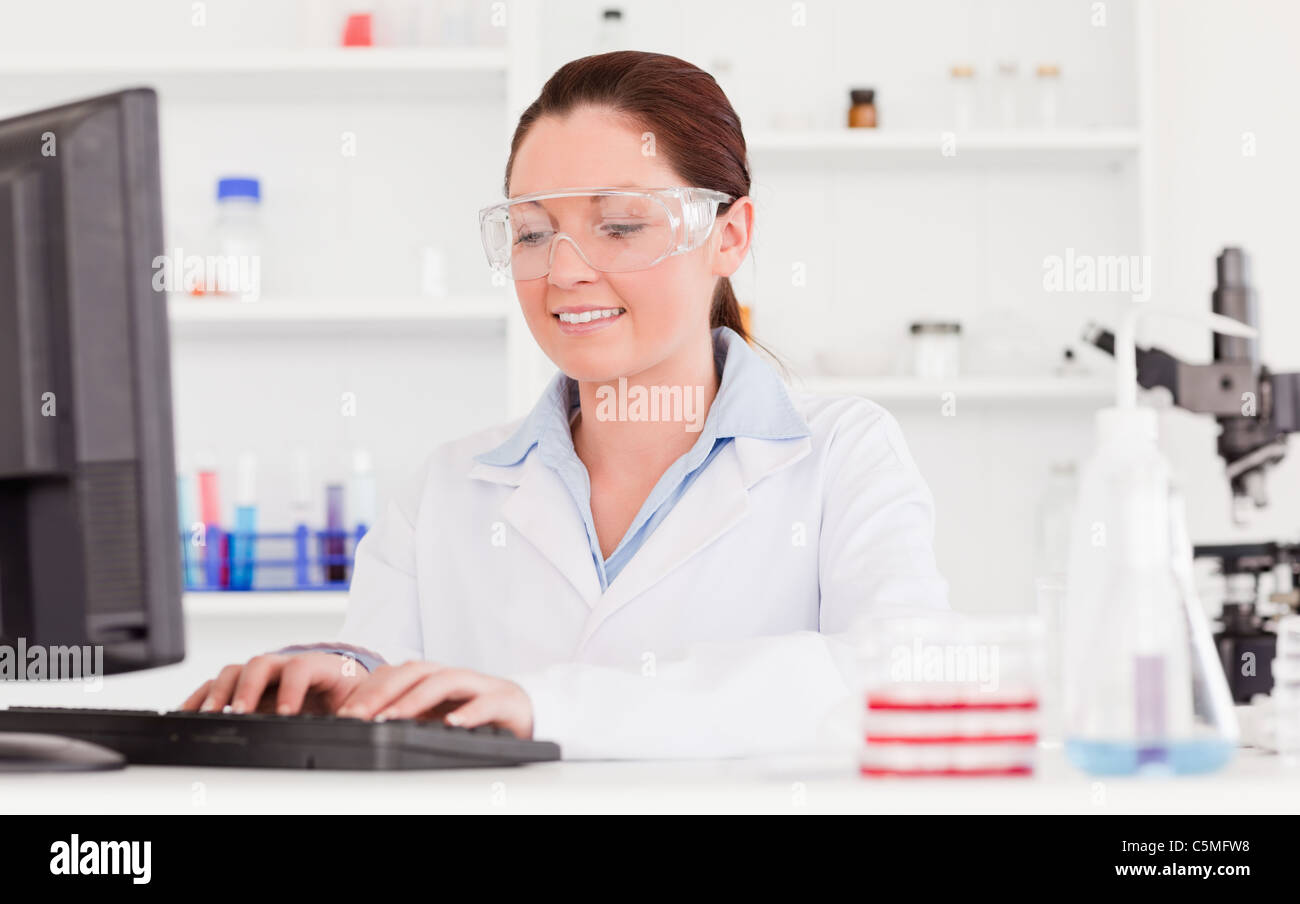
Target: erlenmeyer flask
{"points": [[1144, 688]]}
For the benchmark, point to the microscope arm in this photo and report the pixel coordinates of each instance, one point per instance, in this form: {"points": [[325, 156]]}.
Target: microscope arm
{"points": [[1256, 410], [1216, 388]]}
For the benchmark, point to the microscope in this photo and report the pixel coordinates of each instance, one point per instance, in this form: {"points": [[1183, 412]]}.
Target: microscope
{"points": [[1257, 410]]}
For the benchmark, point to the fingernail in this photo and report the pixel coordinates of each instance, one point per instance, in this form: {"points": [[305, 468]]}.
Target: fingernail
{"points": [[207, 706], [386, 714], [455, 718], [238, 706], [348, 712], [284, 709]]}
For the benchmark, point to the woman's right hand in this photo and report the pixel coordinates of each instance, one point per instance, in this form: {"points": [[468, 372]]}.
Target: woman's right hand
{"points": [[281, 683]]}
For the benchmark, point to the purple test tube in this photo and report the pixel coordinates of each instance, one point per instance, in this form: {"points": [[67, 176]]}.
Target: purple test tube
{"points": [[336, 571]]}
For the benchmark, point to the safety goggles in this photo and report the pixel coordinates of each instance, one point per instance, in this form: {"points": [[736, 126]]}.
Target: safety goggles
{"points": [[614, 230]]}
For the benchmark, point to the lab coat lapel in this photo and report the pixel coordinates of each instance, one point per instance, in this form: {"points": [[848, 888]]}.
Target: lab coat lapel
{"points": [[714, 503], [542, 512]]}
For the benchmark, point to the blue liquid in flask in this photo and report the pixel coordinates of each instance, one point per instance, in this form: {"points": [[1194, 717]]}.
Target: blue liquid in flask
{"points": [[1133, 758]]}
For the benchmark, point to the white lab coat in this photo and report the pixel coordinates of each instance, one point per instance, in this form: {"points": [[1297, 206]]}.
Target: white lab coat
{"points": [[726, 634]]}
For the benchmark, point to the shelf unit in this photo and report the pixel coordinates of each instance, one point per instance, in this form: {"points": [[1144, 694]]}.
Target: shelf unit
{"points": [[975, 214], [316, 61], [203, 315], [504, 75], [974, 388], [1107, 147], [510, 74], [229, 604], [504, 79], [290, 75], [797, 156]]}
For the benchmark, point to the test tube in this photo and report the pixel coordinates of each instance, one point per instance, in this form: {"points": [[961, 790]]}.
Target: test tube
{"points": [[335, 543], [210, 515], [302, 518], [242, 542], [363, 491], [192, 567]]}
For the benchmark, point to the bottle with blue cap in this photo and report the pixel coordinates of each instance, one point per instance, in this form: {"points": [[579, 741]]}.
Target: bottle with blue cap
{"points": [[239, 237]]}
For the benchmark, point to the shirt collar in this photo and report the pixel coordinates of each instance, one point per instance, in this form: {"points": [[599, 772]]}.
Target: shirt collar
{"points": [[751, 401]]}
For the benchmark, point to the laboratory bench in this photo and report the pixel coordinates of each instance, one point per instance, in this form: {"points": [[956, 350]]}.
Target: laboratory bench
{"points": [[221, 630], [1253, 783]]}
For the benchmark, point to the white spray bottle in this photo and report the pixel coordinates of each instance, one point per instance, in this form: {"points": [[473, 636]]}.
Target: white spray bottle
{"points": [[1144, 690]]}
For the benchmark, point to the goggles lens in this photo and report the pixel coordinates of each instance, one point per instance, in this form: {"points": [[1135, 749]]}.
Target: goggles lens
{"points": [[614, 232]]}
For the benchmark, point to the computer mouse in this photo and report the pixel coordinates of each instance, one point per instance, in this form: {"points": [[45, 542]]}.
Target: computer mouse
{"points": [[30, 752]]}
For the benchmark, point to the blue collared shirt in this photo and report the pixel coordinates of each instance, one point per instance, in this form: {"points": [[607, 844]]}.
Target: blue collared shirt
{"points": [[751, 401]]}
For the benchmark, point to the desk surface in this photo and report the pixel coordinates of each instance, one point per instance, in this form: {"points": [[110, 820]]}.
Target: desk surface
{"points": [[1253, 783]]}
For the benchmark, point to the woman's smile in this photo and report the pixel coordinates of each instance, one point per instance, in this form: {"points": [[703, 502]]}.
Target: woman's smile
{"points": [[581, 320]]}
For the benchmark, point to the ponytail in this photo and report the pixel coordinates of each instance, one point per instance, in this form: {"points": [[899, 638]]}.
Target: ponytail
{"points": [[726, 309]]}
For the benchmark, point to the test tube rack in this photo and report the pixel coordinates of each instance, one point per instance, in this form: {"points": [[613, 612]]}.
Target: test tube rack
{"points": [[214, 559]]}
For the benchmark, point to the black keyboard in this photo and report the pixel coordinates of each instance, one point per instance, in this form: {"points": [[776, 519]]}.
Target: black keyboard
{"points": [[266, 740]]}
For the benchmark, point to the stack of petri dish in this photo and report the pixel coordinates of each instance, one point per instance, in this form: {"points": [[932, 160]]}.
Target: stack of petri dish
{"points": [[1286, 687], [951, 695]]}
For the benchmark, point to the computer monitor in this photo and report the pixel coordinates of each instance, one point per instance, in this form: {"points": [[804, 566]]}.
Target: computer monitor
{"points": [[89, 538]]}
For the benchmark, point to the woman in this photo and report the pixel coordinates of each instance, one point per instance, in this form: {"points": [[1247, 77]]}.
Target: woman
{"points": [[664, 558]]}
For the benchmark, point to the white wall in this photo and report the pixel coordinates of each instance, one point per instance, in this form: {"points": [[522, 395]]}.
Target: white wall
{"points": [[1225, 70]]}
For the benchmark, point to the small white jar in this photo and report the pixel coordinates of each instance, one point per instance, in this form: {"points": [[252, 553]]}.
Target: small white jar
{"points": [[936, 349]]}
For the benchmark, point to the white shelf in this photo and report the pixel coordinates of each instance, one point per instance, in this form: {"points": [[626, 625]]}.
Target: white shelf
{"points": [[330, 73], [987, 389], [202, 314], [1108, 146], [359, 60], [239, 604]]}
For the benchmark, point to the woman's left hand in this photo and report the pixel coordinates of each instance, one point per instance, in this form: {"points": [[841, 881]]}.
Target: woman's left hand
{"points": [[429, 690]]}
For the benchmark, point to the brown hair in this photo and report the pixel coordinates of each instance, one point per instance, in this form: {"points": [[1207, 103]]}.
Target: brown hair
{"points": [[693, 123]]}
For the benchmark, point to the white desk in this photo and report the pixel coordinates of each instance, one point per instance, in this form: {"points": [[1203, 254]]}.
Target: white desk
{"points": [[219, 632], [1252, 783]]}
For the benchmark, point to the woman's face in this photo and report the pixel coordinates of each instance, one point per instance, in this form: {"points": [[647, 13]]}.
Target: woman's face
{"points": [[665, 308]]}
